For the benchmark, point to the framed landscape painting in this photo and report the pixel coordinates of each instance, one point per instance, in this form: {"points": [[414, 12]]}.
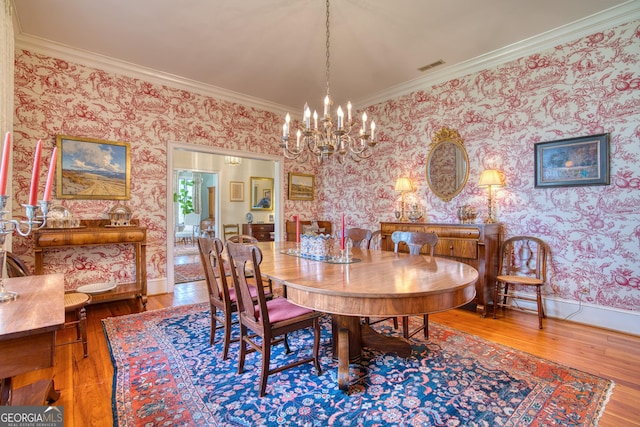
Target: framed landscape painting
{"points": [[301, 186], [573, 162], [92, 169]]}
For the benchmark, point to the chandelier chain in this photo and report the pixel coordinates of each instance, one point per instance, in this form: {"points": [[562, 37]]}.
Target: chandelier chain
{"points": [[328, 49], [323, 136]]}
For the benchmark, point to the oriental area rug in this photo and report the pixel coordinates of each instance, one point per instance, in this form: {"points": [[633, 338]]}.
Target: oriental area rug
{"points": [[166, 373], [187, 266], [191, 272]]}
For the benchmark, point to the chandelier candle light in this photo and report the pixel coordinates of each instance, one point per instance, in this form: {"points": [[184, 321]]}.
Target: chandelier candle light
{"points": [[323, 138], [33, 222]]}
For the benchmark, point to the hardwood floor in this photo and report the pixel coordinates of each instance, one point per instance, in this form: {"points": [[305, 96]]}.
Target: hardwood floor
{"points": [[85, 384]]}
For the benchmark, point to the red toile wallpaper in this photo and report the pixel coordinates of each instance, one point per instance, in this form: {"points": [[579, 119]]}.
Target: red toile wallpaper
{"points": [[589, 86]]}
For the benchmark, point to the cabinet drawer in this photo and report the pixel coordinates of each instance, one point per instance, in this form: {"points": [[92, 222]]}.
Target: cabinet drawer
{"points": [[262, 227], [453, 231], [457, 248], [390, 228]]}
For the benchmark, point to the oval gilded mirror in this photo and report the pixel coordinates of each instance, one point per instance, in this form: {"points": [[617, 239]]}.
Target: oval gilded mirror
{"points": [[447, 164]]}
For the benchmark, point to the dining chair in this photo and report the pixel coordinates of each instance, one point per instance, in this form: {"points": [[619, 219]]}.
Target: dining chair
{"points": [[375, 243], [74, 302], [269, 320], [242, 238], [415, 241], [222, 298], [230, 230], [359, 236], [523, 262]]}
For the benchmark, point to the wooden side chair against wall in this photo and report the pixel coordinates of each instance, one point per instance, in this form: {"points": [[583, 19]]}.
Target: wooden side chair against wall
{"points": [[359, 236], [230, 230], [269, 320], [74, 302], [415, 241], [523, 261]]}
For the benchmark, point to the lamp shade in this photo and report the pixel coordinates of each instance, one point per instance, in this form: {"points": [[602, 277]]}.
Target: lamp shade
{"points": [[404, 184], [490, 177]]}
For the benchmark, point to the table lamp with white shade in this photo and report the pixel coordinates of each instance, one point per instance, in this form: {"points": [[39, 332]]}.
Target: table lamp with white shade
{"points": [[403, 185], [490, 178]]}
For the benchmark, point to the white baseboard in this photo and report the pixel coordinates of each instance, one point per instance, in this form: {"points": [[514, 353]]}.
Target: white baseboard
{"points": [[586, 313], [157, 286]]}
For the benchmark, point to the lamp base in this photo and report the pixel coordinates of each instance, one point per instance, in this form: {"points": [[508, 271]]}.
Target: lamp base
{"points": [[489, 221]]}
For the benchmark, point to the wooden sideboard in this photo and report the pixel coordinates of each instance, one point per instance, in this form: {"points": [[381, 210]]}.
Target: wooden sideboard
{"points": [[262, 232], [474, 244], [95, 233]]}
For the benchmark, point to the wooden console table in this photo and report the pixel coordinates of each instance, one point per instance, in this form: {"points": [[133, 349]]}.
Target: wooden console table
{"points": [[474, 244], [28, 328], [95, 233]]}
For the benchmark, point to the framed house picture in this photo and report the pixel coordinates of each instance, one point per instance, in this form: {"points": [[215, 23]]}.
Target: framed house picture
{"points": [[92, 169], [573, 162], [236, 191], [301, 186]]}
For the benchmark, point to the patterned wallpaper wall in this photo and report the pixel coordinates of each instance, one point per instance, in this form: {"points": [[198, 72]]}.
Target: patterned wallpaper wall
{"points": [[582, 88], [586, 87]]}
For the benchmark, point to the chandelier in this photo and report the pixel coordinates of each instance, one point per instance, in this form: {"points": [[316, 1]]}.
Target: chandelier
{"points": [[232, 161], [322, 138]]}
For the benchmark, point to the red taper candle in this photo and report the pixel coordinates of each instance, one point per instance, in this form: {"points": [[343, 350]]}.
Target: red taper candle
{"points": [[33, 194]]}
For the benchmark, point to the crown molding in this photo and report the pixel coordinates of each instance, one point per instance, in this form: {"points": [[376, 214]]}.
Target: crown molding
{"points": [[609, 18], [612, 17], [91, 59]]}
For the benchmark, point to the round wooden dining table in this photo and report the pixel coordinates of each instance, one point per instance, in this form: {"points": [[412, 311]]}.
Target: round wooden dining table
{"points": [[375, 284]]}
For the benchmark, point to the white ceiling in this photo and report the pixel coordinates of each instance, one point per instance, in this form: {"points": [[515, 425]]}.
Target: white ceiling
{"points": [[274, 50]]}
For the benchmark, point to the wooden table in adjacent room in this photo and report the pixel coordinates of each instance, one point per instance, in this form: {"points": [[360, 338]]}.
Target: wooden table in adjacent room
{"points": [[380, 284], [28, 328]]}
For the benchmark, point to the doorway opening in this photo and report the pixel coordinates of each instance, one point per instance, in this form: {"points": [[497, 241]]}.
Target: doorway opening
{"points": [[200, 165]]}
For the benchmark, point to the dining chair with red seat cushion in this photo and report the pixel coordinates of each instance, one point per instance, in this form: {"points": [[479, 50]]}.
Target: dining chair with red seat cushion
{"points": [[222, 297], [269, 320]]}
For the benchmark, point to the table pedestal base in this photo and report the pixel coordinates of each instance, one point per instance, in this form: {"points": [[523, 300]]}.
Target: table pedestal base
{"points": [[352, 335]]}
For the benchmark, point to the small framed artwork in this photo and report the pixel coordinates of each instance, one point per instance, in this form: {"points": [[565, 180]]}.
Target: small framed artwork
{"points": [[236, 191], [301, 186], [92, 169], [573, 162]]}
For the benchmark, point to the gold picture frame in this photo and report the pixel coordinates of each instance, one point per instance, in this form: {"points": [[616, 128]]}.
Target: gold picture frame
{"points": [[92, 169], [301, 186], [236, 191]]}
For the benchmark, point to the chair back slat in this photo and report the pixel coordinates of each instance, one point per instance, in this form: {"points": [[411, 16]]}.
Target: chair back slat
{"points": [[375, 243], [415, 240], [242, 238], [244, 262], [359, 236], [524, 256], [210, 250]]}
